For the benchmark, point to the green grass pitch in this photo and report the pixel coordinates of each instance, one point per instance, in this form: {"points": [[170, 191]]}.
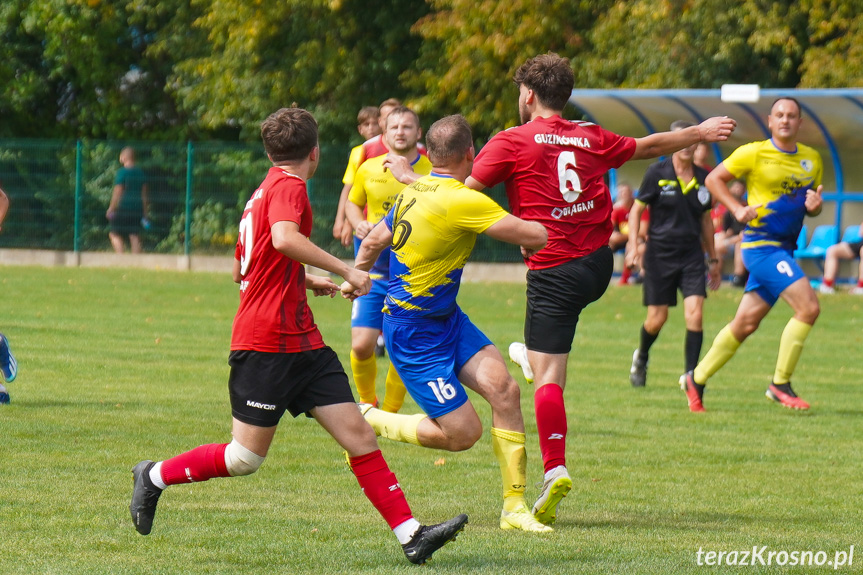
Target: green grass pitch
{"points": [[122, 365]]}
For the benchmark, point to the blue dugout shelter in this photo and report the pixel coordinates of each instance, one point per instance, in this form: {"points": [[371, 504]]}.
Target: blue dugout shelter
{"points": [[832, 124]]}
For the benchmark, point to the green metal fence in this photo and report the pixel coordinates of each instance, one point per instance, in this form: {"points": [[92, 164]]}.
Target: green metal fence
{"points": [[60, 192]]}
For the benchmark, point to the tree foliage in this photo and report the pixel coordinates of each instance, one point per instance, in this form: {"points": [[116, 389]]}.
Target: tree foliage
{"points": [[330, 57], [471, 50], [81, 68], [214, 68]]}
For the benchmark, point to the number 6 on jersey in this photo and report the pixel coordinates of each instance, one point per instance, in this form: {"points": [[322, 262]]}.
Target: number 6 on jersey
{"points": [[570, 185]]}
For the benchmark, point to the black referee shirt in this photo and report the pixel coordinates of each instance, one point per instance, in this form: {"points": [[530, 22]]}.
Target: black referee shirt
{"points": [[675, 211]]}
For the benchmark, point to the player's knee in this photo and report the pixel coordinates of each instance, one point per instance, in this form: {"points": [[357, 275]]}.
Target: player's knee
{"points": [[508, 392], [694, 320], [466, 439], [744, 326], [241, 461], [810, 311]]}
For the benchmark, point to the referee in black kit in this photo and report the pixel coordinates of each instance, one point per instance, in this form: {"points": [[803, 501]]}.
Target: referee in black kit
{"points": [[680, 234]]}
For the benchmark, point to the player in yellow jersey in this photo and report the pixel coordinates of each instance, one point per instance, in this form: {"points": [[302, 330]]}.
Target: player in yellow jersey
{"points": [[369, 126], [375, 189], [437, 350], [784, 182]]}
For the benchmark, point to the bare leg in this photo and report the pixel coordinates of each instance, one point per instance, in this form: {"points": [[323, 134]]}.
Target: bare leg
{"points": [[135, 243], [116, 242]]}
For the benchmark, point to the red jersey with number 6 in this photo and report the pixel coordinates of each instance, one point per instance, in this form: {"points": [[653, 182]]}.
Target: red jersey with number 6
{"points": [[554, 172], [274, 314]]}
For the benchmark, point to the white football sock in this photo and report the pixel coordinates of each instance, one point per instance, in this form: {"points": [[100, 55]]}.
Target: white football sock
{"points": [[156, 476], [405, 531]]}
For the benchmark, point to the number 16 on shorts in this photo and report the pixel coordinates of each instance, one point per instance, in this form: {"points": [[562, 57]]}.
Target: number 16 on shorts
{"points": [[442, 390]]}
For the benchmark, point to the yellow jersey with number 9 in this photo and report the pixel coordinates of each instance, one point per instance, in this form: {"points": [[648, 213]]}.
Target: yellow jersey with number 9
{"points": [[434, 222], [777, 180]]}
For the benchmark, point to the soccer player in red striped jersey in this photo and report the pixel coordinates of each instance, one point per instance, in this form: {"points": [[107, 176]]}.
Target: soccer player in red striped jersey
{"points": [[553, 169], [278, 359]]}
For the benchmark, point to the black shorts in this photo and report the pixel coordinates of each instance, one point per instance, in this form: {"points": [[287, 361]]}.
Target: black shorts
{"points": [[556, 296], [263, 385], [126, 223], [666, 271], [855, 247]]}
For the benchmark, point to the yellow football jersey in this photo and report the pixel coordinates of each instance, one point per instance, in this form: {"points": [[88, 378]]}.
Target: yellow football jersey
{"points": [[376, 188], [354, 161], [778, 181], [434, 222]]}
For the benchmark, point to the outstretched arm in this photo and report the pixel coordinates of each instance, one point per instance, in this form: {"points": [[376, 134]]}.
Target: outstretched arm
{"points": [[373, 244], [531, 236], [288, 240], [321, 286], [716, 129]]}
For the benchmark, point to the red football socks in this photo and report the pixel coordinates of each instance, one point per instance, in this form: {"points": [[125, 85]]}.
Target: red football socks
{"points": [[381, 487], [551, 425], [199, 464]]}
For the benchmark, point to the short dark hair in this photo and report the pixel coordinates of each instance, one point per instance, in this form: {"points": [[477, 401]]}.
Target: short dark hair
{"points": [[680, 124], [399, 110], [550, 77], [367, 113], [448, 138], [799, 107], [289, 134]]}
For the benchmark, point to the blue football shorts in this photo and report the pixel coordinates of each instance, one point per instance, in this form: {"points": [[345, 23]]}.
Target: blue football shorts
{"points": [[367, 310], [429, 353], [771, 270]]}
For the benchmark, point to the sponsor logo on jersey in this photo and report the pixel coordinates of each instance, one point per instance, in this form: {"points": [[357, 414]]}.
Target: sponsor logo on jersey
{"points": [[558, 213], [703, 196], [558, 140], [667, 187], [257, 405]]}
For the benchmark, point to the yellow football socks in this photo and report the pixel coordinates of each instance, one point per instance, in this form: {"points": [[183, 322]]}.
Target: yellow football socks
{"points": [[790, 347], [724, 347], [395, 426], [395, 394], [512, 458], [365, 371]]}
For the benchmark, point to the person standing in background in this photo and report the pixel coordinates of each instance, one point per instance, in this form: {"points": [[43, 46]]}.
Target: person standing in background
{"points": [[130, 204], [681, 232]]}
